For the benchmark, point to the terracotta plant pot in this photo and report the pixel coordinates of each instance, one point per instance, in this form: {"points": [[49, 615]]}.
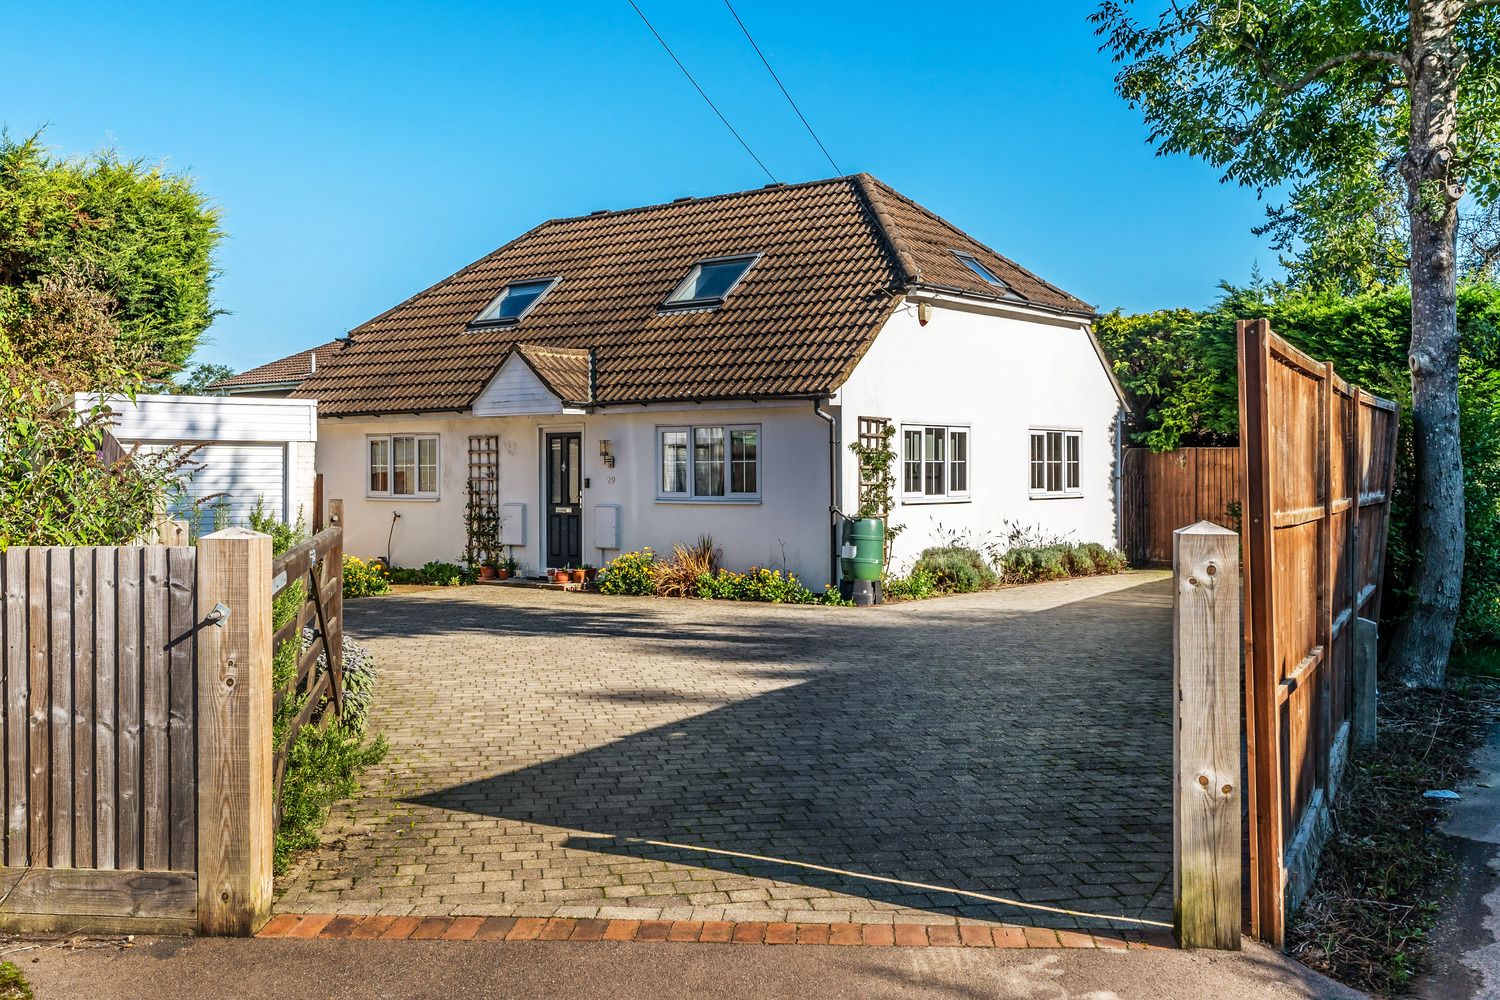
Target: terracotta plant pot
{"points": [[578, 575], [488, 573], [502, 574], [557, 575]]}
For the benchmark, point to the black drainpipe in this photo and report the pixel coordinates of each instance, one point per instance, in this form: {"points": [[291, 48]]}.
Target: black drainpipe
{"points": [[833, 490]]}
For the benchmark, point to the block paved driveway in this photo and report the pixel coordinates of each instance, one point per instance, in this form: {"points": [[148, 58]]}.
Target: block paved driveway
{"points": [[576, 755]]}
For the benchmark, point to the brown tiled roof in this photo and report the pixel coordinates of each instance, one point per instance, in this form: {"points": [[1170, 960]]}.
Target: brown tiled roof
{"points": [[834, 254], [563, 370], [289, 369], [928, 241]]}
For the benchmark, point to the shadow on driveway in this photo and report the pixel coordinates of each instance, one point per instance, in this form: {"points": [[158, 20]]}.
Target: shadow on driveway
{"points": [[1020, 753]]}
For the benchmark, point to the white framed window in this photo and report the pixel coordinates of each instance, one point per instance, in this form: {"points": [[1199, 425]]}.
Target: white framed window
{"points": [[403, 466], [934, 462], [1055, 467], [708, 462]]}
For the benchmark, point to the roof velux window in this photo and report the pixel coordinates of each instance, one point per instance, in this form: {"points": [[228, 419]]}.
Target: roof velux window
{"points": [[709, 282], [514, 301], [973, 263]]}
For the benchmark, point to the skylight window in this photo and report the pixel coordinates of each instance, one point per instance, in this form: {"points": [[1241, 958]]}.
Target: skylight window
{"points": [[709, 282], [515, 301], [973, 263]]}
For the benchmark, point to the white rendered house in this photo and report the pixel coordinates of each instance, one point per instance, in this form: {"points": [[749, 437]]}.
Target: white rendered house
{"points": [[637, 378]]}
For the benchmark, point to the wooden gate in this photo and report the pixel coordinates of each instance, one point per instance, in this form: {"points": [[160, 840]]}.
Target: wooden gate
{"points": [[1319, 461], [100, 736], [138, 780]]}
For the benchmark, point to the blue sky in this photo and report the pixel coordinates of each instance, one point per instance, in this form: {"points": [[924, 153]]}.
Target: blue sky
{"points": [[360, 152]]}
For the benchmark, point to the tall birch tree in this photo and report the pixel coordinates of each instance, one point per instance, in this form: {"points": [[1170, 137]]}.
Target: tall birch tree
{"points": [[1307, 95]]}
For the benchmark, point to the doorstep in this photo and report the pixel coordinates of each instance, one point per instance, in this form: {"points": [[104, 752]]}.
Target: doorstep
{"points": [[533, 583]]}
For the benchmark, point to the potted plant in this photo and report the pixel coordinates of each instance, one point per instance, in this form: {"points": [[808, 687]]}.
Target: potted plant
{"points": [[509, 567], [575, 573], [590, 572], [489, 570]]}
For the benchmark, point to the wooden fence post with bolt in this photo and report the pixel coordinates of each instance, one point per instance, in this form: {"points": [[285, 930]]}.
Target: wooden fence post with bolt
{"points": [[1206, 737], [235, 834]]}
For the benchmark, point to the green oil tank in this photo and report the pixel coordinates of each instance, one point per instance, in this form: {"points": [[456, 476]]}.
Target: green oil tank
{"points": [[862, 554]]}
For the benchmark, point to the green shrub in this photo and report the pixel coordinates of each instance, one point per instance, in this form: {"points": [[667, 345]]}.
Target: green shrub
{"points": [[1034, 565], [323, 766], [13, 985], [1077, 562], [629, 574], [761, 584], [917, 585], [1106, 561], [365, 579], [1058, 562], [443, 574], [406, 576], [283, 536], [956, 569]]}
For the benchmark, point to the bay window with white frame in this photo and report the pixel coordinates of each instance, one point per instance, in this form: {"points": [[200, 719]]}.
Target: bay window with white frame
{"points": [[934, 463], [403, 466], [709, 462], [1055, 467]]}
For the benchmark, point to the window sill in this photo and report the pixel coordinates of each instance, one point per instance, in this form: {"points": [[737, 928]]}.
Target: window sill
{"points": [[1056, 496], [711, 501], [427, 498], [920, 501]]}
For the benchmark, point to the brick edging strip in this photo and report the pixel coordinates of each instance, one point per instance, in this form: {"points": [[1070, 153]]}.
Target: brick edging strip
{"points": [[389, 928]]}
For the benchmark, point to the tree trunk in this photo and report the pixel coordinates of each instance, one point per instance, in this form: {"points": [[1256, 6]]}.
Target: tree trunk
{"points": [[1420, 654]]}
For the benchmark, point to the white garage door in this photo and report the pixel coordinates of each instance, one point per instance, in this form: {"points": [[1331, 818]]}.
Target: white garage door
{"points": [[235, 476]]}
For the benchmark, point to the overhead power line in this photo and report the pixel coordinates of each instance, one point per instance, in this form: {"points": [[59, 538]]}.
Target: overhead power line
{"points": [[785, 93], [701, 93]]}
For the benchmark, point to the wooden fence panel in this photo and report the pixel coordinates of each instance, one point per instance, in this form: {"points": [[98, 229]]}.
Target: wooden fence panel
{"points": [[106, 749], [136, 721], [1318, 455], [13, 565], [1162, 491], [100, 749], [128, 707], [155, 806]]}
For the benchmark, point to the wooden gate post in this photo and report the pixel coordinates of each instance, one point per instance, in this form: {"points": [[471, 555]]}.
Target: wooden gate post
{"points": [[1206, 737], [234, 732]]}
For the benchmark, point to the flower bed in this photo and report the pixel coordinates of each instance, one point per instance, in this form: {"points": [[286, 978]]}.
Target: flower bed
{"points": [[693, 572]]}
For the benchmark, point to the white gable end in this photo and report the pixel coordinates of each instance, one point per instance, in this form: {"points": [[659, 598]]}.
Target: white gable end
{"points": [[515, 391]]}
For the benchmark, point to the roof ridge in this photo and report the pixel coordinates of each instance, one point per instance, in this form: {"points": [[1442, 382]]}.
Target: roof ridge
{"points": [[723, 196], [889, 232], [966, 235], [466, 268]]}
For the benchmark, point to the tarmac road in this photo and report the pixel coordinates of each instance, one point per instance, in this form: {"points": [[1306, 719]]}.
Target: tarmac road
{"points": [[217, 969]]}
